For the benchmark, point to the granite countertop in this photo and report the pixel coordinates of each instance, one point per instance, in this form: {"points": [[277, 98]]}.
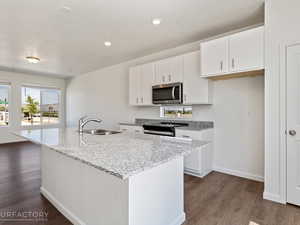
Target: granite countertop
{"points": [[192, 125], [122, 155]]}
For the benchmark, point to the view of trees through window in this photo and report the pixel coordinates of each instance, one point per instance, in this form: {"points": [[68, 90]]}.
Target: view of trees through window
{"points": [[40, 106], [174, 112], [4, 115]]}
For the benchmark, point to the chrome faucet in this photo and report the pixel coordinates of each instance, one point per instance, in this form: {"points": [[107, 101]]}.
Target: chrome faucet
{"points": [[84, 120]]}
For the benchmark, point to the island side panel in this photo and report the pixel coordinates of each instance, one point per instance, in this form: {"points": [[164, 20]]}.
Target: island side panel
{"points": [[156, 196], [84, 194]]}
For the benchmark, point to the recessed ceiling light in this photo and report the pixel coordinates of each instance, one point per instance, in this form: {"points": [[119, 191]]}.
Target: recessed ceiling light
{"points": [[156, 21], [107, 43], [32, 59]]}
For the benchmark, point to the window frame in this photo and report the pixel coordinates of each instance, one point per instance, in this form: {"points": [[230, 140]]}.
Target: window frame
{"points": [[60, 112], [7, 83]]}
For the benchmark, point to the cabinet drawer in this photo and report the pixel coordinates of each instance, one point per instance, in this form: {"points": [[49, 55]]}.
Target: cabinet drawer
{"points": [[204, 135]]}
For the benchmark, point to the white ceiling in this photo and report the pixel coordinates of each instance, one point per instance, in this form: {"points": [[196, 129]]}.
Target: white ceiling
{"points": [[71, 42]]}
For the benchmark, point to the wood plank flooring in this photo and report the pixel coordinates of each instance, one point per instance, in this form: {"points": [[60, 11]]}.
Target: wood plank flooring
{"points": [[218, 199]]}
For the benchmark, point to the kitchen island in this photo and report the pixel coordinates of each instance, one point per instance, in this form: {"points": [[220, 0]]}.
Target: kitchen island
{"points": [[119, 179]]}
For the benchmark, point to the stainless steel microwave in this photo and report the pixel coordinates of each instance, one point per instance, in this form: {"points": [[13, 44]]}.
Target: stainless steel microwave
{"points": [[167, 94]]}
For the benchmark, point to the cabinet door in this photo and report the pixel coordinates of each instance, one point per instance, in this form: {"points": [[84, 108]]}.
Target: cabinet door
{"points": [[247, 50], [193, 161], [176, 70], [147, 72], [214, 57], [162, 71], [196, 90], [134, 85]]}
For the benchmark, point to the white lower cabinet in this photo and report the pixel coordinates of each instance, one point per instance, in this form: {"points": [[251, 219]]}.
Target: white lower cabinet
{"points": [[199, 162]]}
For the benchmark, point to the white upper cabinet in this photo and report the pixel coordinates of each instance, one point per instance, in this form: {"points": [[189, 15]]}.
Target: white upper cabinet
{"points": [[148, 78], [247, 50], [240, 52], [176, 67], [134, 85], [196, 90], [214, 57], [183, 68], [141, 79], [169, 70]]}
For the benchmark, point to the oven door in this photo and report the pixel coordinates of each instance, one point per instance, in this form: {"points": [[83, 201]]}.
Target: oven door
{"points": [[167, 94], [159, 130]]}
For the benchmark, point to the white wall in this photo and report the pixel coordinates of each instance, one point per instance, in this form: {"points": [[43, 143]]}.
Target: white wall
{"points": [[282, 28], [103, 93], [17, 80], [237, 111]]}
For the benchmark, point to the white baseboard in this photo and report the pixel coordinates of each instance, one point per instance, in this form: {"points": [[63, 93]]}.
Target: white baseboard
{"points": [[180, 220], [69, 215], [10, 141], [195, 174], [272, 197], [239, 174]]}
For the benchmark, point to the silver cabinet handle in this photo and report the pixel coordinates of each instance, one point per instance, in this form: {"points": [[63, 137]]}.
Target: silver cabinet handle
{"points": [[185, 136], [292, 132], [163, 78], [184, 98], [232, 63], [169, 77], [221, 65], [137, 100], [142, 100]]}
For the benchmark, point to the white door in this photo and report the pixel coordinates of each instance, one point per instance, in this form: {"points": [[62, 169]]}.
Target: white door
{"points": [[293, 125], [134, 85], [214, 57], [147, 72], [246, 50]]}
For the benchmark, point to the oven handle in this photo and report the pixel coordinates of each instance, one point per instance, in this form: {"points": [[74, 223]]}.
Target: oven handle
{"points": [[171, 134], [173, 93]]}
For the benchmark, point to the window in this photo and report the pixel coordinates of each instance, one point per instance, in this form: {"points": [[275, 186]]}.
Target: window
{"points": [[176, 112], [4, 94], [40, 106]]}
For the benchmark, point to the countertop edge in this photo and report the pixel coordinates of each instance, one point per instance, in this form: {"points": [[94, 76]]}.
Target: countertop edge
{"points": [[120, 176]]}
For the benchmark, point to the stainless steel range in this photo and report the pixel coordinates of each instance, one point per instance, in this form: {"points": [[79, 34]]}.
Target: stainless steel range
{"points": [[163, 128]]}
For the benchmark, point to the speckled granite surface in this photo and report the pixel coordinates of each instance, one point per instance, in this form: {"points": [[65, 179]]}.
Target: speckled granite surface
{"points": [[122, 155], [192, 125]]}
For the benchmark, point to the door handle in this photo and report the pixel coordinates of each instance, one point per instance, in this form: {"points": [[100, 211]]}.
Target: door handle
{"points": [[232, 63], [292, 132], [169, 77], [221, 65]]}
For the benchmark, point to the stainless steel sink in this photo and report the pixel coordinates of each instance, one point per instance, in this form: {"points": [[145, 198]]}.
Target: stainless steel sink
{"points": [[100, 132]]}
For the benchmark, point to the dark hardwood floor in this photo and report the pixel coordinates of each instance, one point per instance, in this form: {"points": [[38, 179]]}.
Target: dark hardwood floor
{"points": [[218, 199]]}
